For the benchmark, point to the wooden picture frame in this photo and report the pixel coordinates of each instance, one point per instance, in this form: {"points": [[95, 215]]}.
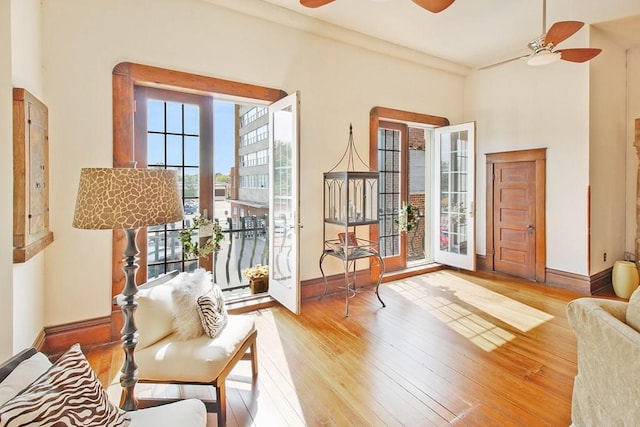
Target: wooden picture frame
{"points": [[31, 232], [349, 237]]}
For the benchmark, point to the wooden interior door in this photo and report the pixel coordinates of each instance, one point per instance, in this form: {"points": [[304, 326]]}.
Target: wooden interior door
{"points": [[514, 218]]}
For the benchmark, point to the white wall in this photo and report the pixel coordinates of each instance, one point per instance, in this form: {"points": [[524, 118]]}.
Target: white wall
{"points": [[607, 151], [339, 84], [6, 185], [520, 107]]}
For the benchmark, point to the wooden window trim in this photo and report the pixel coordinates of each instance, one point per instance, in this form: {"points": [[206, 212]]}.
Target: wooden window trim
{"points": [[125, 76]]}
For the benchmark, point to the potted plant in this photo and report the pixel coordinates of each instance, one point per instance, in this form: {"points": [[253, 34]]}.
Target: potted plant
{"points": [[258, 276], [206, 228]]}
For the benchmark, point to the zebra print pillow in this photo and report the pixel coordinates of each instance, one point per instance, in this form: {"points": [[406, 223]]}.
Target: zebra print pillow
{"points": [[212, 311], [68, 394]]}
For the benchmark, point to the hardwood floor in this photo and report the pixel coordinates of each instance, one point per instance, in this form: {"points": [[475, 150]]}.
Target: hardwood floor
{"points": [[450, 348]]}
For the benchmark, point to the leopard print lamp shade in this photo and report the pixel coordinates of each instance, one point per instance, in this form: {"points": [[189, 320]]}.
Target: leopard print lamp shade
{"points": [[113, 198]]}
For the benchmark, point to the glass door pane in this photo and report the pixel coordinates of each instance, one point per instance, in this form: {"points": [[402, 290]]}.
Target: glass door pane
{"points": [[420, 181], [392, 192], [284, 283], [455, 181]]}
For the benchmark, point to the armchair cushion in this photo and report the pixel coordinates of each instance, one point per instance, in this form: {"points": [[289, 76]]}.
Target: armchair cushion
{"points": [[22, 375], [199, 360], [189, 412]]}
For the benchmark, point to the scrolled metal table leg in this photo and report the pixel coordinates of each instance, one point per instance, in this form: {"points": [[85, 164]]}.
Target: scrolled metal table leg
{"points": [[381, 262], [324, 277]]}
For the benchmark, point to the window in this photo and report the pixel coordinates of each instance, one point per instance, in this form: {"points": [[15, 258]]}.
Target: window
{"points": [[390, 149], [173, 129], [128, 76], [257, 135]]}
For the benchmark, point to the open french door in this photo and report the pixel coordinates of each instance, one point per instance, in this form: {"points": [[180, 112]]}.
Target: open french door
{"points": [[454, 220], [284, 224]]}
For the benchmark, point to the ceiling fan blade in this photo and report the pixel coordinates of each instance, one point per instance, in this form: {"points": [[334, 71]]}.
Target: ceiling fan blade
{"points": [[579, 54], [561, 31], [502, 62], [434, 6], [314, 3]]}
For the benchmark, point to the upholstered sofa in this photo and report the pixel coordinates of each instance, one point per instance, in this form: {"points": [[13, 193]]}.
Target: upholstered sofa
{"points": [[606, 391], [33, 391]]}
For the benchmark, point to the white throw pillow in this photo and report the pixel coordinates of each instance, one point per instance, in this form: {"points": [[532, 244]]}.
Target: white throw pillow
{"points": [[23, 375], [187, 287], [212, 311]]}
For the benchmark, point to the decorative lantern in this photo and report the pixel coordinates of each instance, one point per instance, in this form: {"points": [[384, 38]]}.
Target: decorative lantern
{"points": [[350, 196]]}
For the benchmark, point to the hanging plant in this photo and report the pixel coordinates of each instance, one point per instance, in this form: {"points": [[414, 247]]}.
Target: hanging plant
{"points": [[204, 227], [408, 218]]}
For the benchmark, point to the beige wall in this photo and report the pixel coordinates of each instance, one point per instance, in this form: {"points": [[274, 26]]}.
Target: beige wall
{"points": [[338, 83], [82, 41], [520, 107], [26, 66], [6, 183], [607, 152], [633, 113]]}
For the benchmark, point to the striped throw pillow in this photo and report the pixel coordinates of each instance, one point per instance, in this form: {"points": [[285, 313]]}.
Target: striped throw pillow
{"points": [[212, 311], [68, 394]]}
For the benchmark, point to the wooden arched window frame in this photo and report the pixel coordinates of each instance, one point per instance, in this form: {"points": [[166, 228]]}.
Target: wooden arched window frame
{"points": [[126, 76]]}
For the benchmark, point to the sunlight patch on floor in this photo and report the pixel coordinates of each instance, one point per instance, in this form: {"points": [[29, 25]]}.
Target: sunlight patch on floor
{"points": [[445, 295]]}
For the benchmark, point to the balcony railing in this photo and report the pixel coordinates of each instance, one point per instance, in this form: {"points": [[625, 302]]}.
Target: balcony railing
{"points": [[245, 244]]}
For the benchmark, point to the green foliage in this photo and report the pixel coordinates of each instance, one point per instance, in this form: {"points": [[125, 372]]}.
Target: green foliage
{"points": [[222, 178], [408, 219], [191, 246]]}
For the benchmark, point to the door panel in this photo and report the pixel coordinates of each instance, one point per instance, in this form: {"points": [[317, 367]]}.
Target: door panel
{"points": [[392, 184], [284, 283], [455, 182], [514, 218]]}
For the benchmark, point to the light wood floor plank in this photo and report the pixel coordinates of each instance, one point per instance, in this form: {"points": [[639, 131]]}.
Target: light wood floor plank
{"points": [[450, 348]]}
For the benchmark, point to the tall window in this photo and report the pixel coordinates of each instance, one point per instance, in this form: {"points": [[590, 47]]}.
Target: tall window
{"points": [[401, 148], [173, 131], [389, 166]]}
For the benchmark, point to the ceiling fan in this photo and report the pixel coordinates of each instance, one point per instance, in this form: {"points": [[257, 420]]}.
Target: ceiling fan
{"points": [[434, 6], [543, 48]]}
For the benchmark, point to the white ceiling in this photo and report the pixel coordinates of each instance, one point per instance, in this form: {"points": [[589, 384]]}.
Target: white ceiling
{"points": [[472, 33]]}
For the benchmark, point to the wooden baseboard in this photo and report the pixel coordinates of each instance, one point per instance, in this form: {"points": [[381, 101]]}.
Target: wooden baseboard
{"points": [[313, 288], [38, 343], [89, 332], [586, 285]]}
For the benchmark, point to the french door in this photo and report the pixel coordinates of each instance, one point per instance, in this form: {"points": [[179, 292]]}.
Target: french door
{"points": [[454, 179], [284, 283], [425, 163]]}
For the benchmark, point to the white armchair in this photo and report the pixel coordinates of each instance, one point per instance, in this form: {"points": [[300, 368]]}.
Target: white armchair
{"points": [[163, 357]]}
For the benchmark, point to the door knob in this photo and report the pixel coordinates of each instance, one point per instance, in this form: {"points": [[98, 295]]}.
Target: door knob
{"points": [[530, 228]]}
